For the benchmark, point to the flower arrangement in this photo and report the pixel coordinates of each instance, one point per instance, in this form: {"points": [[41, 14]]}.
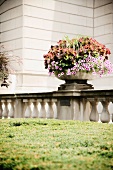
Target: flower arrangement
{"points": [[82, 54]]}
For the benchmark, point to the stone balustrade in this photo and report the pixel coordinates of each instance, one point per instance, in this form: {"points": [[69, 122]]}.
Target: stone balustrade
{"points": [[28, 106], [83, 105], [101, 102]]}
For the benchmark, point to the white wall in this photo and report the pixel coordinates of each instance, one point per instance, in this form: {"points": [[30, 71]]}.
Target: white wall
{"points": [[11, 25], [103, 32], [45, 22], [103, 22], [30, 27]]}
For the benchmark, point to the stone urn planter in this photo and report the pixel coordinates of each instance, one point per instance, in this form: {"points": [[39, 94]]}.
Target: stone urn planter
{"points": [[76, 82], [78, 60]]}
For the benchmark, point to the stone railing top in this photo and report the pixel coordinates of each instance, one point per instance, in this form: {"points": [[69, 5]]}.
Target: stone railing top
{"points": [[94, 93], [56, 94]]}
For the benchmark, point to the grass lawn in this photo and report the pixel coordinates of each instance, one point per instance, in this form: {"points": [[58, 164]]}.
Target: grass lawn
{"points": [[44, 144]]}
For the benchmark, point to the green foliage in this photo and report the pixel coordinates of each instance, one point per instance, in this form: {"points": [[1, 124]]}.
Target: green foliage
{"points": [[39, 144], [4, 72], [7, 65]]}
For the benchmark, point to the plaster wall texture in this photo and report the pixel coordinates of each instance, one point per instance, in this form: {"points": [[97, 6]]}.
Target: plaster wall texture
{"points": [[103, 22], [45, 22], [11, 35], [103, 32]]}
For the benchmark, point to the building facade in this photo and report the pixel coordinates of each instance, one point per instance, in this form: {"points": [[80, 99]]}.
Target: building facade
{"points": [[29, 28]]}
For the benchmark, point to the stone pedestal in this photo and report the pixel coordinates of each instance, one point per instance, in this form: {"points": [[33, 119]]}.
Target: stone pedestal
{"points": [[71, 105], [68, 109], [75, 85]]}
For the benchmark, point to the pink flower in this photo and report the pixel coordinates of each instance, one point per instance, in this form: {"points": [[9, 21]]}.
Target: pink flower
{"points": [[59, 75], [56, 67], [62, 73], [73, 55]]}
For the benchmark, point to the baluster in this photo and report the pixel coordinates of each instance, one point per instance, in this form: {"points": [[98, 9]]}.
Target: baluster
{"points": [[35, 112], [42, 112], [81, 110], [11, 110], [19, 108], [110, 122], [110, 108], [105, 116], [55, 108], [99, 109], [94, 116], [85, 110], [1, 110], [5, 109], [27, 113], [50, 111]]}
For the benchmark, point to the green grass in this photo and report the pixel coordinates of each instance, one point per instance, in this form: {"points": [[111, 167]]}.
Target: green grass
{"points": [[43, 144]]}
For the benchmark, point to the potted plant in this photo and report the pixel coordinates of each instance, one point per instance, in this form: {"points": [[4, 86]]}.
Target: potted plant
{"points": [[79, 58], [7, 62]]}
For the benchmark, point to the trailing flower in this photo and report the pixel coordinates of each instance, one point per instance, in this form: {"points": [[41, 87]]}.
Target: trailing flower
{"points": [[83, 54]]}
